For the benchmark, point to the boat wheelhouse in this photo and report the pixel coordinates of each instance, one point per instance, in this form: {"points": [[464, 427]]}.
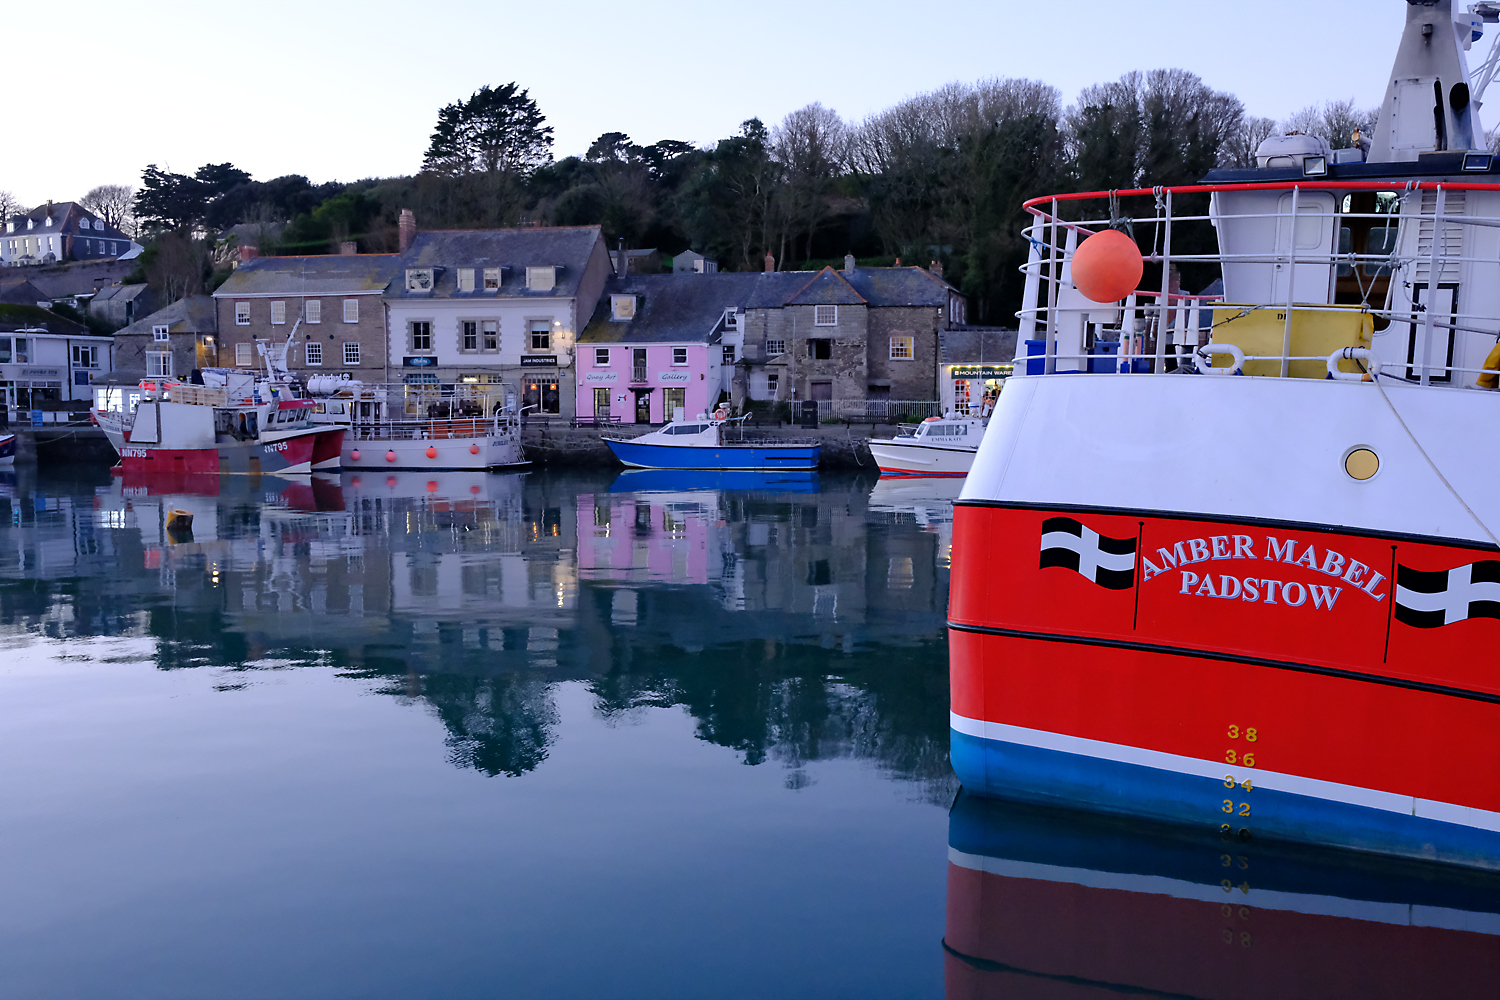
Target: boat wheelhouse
{"points": [[1230, 559]]}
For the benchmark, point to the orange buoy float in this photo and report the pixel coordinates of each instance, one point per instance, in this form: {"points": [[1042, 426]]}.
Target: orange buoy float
{"points": [[432, 486], [431, 452], [1107, 266], [390, 456], [473, 449], [474, 490], [355, 482], [354, 454], [390, 481]]}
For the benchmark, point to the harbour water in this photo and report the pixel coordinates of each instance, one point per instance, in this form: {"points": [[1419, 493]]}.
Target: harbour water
{"points": [[583, 734]]}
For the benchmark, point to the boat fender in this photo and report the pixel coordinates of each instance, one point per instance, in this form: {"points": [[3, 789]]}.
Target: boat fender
{"points": [[431, 452], [1491, 365], [390, 456], [473, 449], [1209, 350], [354, 454], [1371, 364]]}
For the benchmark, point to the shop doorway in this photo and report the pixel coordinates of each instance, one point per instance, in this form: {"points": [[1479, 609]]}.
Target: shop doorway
{"points": [[601, 403], [643, 406]]}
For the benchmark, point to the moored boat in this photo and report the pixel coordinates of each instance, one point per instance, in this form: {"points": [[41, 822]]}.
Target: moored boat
{"points": [[940, 446], [1250, 581], [420, 425], [7, 450], [235, 422], [699, 444]]}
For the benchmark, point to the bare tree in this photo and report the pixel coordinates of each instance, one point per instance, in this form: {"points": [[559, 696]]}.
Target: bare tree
{"points": [[114, 204], [812, 144], [9, 206], [1240, 150]]}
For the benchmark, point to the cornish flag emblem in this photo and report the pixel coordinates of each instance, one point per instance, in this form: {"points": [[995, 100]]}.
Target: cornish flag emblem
{"points": [[1109, 562], [1432, 600]]}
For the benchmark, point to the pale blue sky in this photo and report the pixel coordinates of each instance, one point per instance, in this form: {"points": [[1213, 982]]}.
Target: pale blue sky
{"points": [[337, 90]]}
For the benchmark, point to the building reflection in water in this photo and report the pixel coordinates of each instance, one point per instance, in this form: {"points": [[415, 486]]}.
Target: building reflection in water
{"points": [[1057, 904], [794, 618]]}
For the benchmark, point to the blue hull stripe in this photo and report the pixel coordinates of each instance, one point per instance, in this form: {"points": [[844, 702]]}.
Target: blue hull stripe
{"points": [[1008, 768], [659, 456]]}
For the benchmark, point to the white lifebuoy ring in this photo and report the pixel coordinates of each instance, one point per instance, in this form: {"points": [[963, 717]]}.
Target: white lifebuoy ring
{"points": [[1207, 352], [1372, 364]]}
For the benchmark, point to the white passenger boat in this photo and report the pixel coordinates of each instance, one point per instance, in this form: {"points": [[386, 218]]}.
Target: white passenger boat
{"points": [[421, 425], [941, 446]]}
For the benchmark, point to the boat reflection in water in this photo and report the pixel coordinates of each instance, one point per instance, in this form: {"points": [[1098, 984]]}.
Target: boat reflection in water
{"points": [[1059, 904], [740, 480]]}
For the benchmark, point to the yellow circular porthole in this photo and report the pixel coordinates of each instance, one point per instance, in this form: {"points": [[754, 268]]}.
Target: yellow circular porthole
{"points": [[1361, 464]]}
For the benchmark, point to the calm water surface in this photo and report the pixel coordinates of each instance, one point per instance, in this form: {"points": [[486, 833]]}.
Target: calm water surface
{"points": [[577, 735]]}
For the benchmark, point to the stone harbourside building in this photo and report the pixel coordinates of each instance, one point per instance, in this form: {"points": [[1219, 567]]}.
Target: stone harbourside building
{"points": [[855, 340], [496, 306]]}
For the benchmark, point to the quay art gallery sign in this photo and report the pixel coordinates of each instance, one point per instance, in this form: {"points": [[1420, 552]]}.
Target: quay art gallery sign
{"points": [[674, 378], [602, 378]]}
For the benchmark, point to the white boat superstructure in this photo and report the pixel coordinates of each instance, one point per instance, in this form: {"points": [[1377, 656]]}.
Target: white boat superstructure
{"points": [[421, 425], [940, 446]]}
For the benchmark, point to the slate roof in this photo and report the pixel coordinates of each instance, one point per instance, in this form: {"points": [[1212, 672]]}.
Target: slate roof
{"points": [[873, 286], [827, 288], [194, 314], [975, 345], [670, 308], [22, 316], [327, 274], [121, 293], [568, 247], [77, 277], [22, 293]]}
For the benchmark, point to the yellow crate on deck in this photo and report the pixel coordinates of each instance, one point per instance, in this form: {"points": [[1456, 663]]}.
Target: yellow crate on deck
{"points": [[1315, 331]]}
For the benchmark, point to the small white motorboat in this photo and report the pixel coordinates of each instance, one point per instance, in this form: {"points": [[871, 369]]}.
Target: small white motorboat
{"points": [[941, 446]]}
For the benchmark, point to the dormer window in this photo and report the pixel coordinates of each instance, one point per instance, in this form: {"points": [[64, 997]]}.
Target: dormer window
{"points": [[419, 279], [98, 223], [30, 223], [541, 279], [492, 279], [466, 279], [622, 307], [49, 220]]}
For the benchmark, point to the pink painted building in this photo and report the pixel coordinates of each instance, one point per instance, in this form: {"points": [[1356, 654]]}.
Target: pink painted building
{"points": [[661, 343]]}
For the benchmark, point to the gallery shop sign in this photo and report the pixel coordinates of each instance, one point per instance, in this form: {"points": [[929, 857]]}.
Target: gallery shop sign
{"points": [[602, 378], [673, 378]]}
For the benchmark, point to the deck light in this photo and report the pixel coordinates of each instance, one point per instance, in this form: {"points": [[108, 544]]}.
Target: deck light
{"points": [[1315, 166], [1478, 161]]}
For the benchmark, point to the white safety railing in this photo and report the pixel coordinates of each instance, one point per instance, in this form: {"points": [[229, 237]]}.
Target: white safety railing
{"points": [[1162, 329]]}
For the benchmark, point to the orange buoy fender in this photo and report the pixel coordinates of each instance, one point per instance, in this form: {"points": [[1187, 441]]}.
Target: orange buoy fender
{"points": [[390, 456], [1107, 266], [473, 449], [431, 452], [354, 454]]}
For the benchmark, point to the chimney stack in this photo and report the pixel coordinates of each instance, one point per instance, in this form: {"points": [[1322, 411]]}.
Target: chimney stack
{"points": [[770, 262], [407, 228], [848, 263], [936, 267], [898, 261], [348, 249], [248, 252]]}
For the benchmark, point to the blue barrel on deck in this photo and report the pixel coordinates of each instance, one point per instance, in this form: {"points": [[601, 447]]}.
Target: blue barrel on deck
{"points": [[1036, 357], [1105, 357]]}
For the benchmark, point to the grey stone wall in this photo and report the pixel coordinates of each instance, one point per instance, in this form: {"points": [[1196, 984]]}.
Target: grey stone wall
{"points": [[331, 333], [915, 379]]}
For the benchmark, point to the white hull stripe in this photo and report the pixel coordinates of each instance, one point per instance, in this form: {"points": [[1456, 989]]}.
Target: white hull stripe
{"points": [[1332, 791], [1401, 914]]}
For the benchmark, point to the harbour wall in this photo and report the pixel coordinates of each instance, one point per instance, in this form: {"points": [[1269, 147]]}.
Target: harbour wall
{"points": [[845, 446]]}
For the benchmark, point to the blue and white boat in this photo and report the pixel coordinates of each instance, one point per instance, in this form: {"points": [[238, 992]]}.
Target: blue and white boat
{"points": [[699, 444]]}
